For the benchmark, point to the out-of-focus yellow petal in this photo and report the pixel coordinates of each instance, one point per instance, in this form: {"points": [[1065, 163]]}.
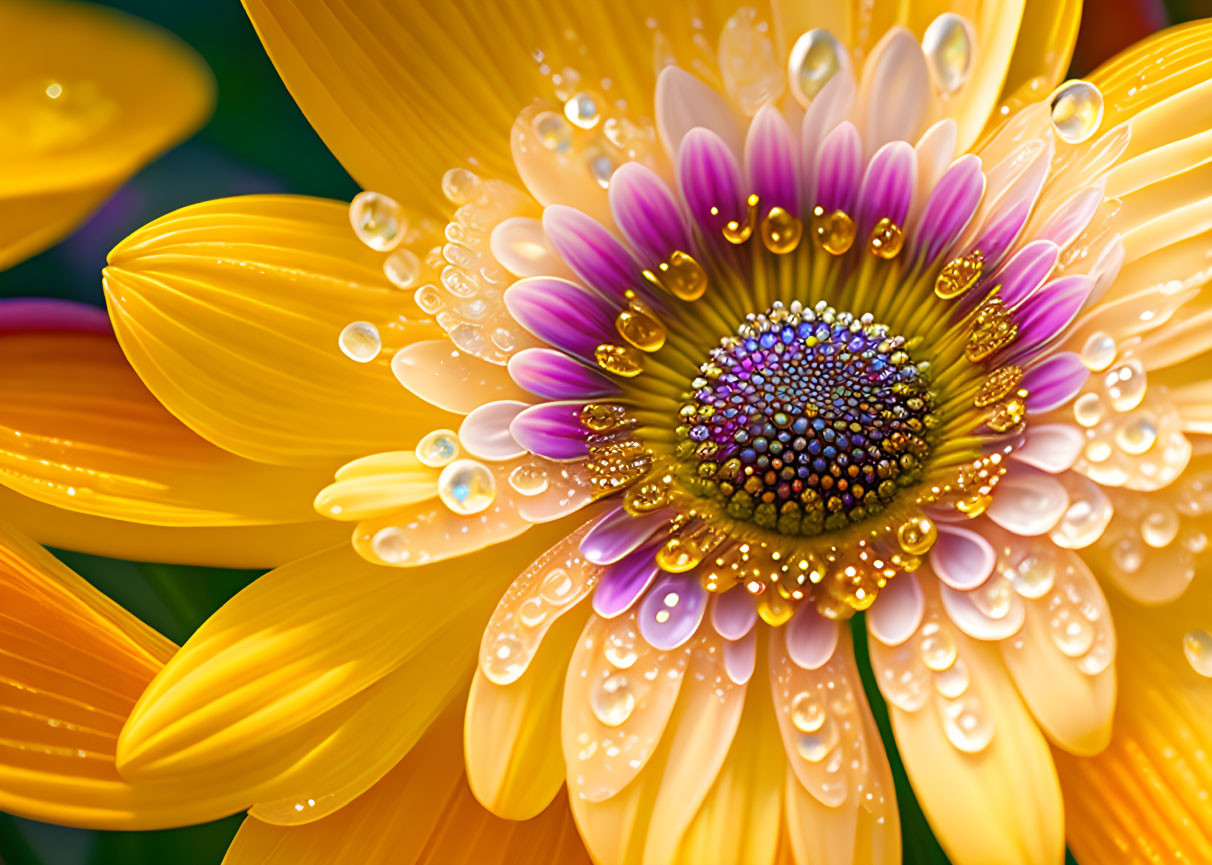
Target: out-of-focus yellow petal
{"points": [[421, 812], [401, 92], [88, 95], [78, 430], [72, 664], [1044, 47], [1145, 799], [231, 312], [216, 546], [314, 680]]}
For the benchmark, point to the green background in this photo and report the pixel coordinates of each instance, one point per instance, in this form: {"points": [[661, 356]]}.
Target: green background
{"points": [[258, 141]]}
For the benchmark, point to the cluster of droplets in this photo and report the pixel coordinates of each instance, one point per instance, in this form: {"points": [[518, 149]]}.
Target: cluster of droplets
{"points": [[807, 421]]}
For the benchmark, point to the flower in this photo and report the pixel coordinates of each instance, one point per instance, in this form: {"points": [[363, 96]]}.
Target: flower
{"points": [[881, 318]]}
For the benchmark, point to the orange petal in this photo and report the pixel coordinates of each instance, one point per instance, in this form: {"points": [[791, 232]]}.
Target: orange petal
{"points": [[402, 93], [90, 95], [1145, 798], [231, 311], [79, 431], [421, 812], [74, 664]]}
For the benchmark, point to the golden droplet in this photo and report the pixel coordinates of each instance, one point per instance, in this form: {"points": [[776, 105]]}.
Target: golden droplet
{"points": [[649, 496], [618, 359], [680, 275], [815, 58], [917, 535], [781, 232], [1077, 111], [613, 465], [887, 239], [684, 551], [603, 417], [833, 231], [974, 505], [994, 329], [997, 385], [959, 275], [739, 232], [640, 327], [774, 609], [1009, 413]]}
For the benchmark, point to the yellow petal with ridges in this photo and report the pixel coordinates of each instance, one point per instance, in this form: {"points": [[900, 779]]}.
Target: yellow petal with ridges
{"points": [[231, 311], [377, 484], [89, 95], [402, 92], [79, 431], [74, 663], [1044, 47]]}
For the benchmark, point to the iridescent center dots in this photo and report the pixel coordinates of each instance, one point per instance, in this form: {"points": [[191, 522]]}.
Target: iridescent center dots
{"points": [[806, 421]]}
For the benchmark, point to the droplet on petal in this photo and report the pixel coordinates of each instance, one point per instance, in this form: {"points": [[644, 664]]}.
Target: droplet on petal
{"points": [[377, 220], [461, 186], [1197, 645], [582, 111], [438, 448], [402, 267], [360, 341], [1077, 111], [466, 487], [947, 44], [553, 131], [815, 58]]}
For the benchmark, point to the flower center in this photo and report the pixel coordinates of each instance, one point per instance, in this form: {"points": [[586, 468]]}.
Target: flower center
{"points": [[806, 421]]}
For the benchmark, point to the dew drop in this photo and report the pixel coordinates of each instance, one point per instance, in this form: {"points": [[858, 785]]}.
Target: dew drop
{"points": [[529, 479], [461, 186], [947, 44], [1088, 409], [1160, 527], [815, 58], [966, 724], [953, 681], [612, 701], [377, 220], [402, 268], [1136, 435], [1099, 351], [466, 487], [1126, 385], [390, 544], [807, 713], [582, 111], [602, 168], [553, 131], [1197, 646], [620, 650], [360, 341], [936, 648], [506, 660], [1077, 111], [1033, 577], [438, 448]]}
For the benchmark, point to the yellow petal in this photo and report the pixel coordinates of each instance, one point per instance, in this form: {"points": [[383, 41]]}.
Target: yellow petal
{"points": [[402, 93], [78, 430], [89, 95], [512, 732], [990, 801], [1044, 47], [231, 310], [1145, 798], [291, 688], [74, 664], [216, 546]]}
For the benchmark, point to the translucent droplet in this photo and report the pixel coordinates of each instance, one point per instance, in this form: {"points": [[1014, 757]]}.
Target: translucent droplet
{"points": [[1071, 633], [602, 168], [553, 131], [402, 267], [947, 44], [953, 681], [620, 650], [612, 701], [1127, 555], [807, 712], [967, 725], [532, 612], [1126, 384], [428, 298], [1033, 577], [815, 58], [936, 648], [377, 220], [1099, 351], [1160, 527], [582, 110], [390, 544], [812, 746], [506, 659], [466, 487], [360, 341], [1088, 409], [1077, 111], [1197, 646], [438, 448], [461, 186], [529, 479], [1137, 435]]}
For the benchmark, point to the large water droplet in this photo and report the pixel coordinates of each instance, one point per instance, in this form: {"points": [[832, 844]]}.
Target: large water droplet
{"points": [[1088, 409], [967, 724], [1160, 527], [402, 267], [1033, 577], [553, 131], [391, 545], [1126, 384], [1137, 434], [466, 487], [438, 448], [1077, 111], [815, 58], [377, 220], [1099, 351], [936, 647], [529, 479], [947, 44], [612, 701], [953, 681], [360, 341], [807, 712], [1197, 646], [582, 111]]}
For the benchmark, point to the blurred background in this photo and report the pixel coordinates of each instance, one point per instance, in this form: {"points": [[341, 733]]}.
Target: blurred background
{"points": [[258, 142]]}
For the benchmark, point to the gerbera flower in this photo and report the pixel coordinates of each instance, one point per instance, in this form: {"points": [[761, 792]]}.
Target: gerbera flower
{"points": [[638, 384]]}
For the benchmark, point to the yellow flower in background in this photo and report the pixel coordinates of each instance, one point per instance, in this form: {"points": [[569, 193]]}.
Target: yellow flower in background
{"points": [[659, 346]]}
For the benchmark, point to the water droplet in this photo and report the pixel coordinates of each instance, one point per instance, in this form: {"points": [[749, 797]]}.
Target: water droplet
{"points": [[1127, 555], [1197, 646], [947, 44], [619, 359], [360, 341], [815, 58], [1160, 527], [532, 612], [1099, 351], [612, 701], [1071, 632], [1137, 434], [638, 326], [936, 647], [582, 110], [1088, 409], [1126, 385], [553, 131], [506, 659], [428, 298], [529, 479], [390, 544], [466, 487], [812, 746], [1032, 577], [1077, 111], [807, 712], [966, 724], [461, 186], [620, 649], [953, 681], [602, 168], [402, 267], [438, 448], [377, 220]]}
